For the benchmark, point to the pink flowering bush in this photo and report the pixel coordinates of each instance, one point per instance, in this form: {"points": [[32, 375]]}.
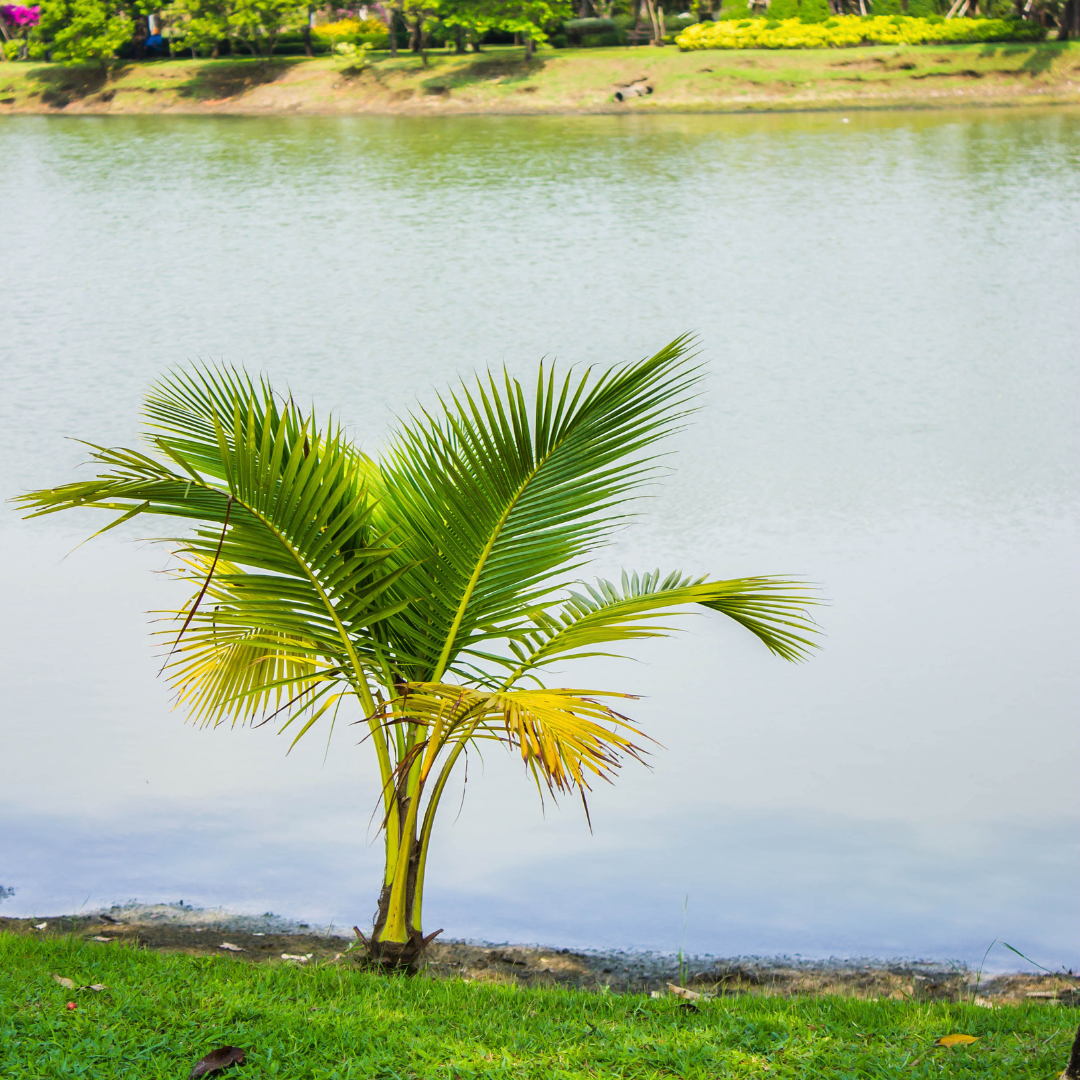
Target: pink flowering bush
{"points": [[22, 18]]}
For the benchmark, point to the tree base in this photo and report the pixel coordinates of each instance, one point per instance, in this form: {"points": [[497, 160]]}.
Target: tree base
{"points": [[399, 956]]}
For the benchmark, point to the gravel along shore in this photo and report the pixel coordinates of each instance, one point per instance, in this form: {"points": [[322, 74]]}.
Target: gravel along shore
{"points": [[271, 939]]}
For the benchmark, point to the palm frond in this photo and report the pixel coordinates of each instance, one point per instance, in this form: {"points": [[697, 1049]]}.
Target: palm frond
{"points": [[281, 504], [233, 666], [565, 736], [497, 496], [605, 614]]}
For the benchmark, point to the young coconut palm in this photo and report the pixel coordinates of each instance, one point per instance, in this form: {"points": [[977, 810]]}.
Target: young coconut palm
{"points": [[434, 588]]}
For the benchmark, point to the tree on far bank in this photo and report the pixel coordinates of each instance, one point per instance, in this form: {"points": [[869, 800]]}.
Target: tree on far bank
{"points": [[254, 24], [527, 18], [85, 31], [432, 591]]}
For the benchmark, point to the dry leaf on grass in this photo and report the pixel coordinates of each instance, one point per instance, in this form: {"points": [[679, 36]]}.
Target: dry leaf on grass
{"points": [[299, 959], [230, 946], [64, 982], [39, 926], [96, 987], [98, 937], [955, 1040], [681, 991], [221, 1058]]}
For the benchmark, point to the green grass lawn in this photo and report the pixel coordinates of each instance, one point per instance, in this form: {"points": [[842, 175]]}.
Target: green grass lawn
{"points": [[159, 1013]]}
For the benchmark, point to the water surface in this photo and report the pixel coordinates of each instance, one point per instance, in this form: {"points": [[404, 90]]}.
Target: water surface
{"points": [[887, 308]]}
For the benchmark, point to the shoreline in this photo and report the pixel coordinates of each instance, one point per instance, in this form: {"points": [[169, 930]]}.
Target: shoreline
{"points": [[573, 82], [169, 928]]}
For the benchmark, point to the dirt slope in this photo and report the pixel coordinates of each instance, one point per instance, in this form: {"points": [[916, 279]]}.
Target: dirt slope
{"points": [[563, 81]]}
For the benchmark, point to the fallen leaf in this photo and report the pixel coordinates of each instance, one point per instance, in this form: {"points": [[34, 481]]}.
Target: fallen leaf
{"points": [[64, 982], [98, 937], [228, 945], [299, 959], [220, 1058], [681, 991], [96, 987], [39, 926], [71, 1006], [955, 1040]]}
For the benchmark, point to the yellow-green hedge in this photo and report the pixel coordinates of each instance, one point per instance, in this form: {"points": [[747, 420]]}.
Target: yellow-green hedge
{"points": [[843, 31]]}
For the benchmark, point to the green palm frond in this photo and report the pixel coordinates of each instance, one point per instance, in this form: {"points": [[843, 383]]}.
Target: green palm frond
{"points": [[498, 495], [772, 608], [284, 526]]}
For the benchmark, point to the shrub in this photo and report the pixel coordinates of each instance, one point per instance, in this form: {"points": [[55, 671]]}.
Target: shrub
{"points": [[843, 31], [351, 31]]}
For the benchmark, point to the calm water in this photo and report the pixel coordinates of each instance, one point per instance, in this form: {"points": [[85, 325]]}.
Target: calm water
{"points": [[888, 309]]}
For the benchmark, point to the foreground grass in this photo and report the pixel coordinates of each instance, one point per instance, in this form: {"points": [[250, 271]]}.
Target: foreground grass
{"points": [[161, 1012], [565, 80]]}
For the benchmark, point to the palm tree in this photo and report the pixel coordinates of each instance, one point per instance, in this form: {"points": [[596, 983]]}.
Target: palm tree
{"points": [[434, 588]]}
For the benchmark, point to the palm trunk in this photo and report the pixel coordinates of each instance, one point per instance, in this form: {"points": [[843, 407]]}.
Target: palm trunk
{"points": [[397, 940]]}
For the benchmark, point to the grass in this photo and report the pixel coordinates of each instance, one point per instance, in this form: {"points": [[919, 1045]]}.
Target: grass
{"points": [[564, 81], [160, 1012]]}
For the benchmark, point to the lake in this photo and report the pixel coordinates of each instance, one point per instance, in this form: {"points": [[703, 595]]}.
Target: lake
{"points": [[887, 307]]}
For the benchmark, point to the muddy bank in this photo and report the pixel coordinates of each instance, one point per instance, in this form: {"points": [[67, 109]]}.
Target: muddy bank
{"points": [[264, 939]]}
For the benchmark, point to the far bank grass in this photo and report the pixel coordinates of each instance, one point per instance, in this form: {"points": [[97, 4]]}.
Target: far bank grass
{"points": [[563, 81], [159, 1013]]}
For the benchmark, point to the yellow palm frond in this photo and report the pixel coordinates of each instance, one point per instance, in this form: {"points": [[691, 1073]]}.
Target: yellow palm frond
{"points": [[227, 667], [565, 736]]}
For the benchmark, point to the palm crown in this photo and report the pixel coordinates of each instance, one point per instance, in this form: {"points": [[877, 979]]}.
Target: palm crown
{"points": [[436, 586]]}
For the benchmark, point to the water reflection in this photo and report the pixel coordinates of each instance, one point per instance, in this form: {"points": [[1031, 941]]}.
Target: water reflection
{"points": [[884, 308]]}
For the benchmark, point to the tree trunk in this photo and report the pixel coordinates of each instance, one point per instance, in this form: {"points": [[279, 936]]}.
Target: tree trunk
{"points": [[393, 32], [307, 35], [656, 17], [530, 47], [423, 42], [459, 40], [1070, 21]]}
